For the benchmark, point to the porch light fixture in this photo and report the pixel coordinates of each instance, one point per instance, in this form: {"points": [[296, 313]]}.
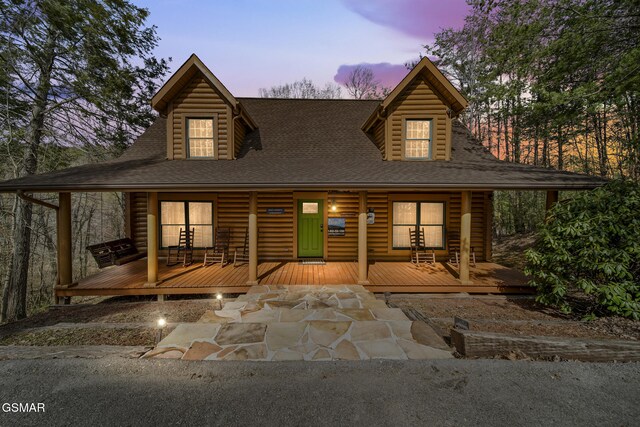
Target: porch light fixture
{"points": [[334, 207]]}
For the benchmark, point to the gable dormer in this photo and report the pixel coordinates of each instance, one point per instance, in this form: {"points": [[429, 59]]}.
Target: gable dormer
{"points": [[413, 122], [204, 120]]}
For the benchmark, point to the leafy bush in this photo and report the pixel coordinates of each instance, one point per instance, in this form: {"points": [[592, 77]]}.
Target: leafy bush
{"points": [[589, 251]]}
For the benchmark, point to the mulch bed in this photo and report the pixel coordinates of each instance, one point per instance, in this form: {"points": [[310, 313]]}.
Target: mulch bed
{"points": [[517, 316], [113, 310], [84, 336]]}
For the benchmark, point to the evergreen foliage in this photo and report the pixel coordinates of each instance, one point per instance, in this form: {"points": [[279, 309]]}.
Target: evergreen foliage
{"points": [[589, 251]]}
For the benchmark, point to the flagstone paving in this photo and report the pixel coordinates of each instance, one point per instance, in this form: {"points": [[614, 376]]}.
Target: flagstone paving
{"points": [[275, 323]]}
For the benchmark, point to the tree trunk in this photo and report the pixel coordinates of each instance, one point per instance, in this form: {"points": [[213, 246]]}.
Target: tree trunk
{"points": [[545, 146], [506, 135], [14, 295], [489, 132], [560, 149], [536, 146]]}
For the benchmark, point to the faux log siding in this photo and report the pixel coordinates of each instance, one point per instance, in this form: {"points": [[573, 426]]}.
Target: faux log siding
{"points": [[232, 211], [378, 238], [419, 101], [138, 219], [341, 248], [199, 97], [275, 232], [239, 132], [477, 223], [378, 137]]}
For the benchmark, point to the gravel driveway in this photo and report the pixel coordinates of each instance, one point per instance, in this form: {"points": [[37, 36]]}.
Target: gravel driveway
{"points": [[119, 391]]}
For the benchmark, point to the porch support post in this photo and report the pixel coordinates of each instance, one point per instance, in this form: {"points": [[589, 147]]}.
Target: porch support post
{"points": [[552, 199], [362, 240], [152, 239], [65, 272], [465, 237], [253, 238]]}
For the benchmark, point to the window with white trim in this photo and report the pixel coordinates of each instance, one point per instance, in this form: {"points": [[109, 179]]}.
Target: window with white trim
{"points": [[186, 215], [200, 138], [428, 216], [417, 139]]}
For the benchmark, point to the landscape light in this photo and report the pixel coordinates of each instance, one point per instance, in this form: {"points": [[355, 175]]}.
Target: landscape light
{"points": [[219, 298], [162, 322]]}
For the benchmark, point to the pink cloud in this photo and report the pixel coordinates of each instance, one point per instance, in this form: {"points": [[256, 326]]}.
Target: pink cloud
{"points": [[389, 75], [416, 18]]}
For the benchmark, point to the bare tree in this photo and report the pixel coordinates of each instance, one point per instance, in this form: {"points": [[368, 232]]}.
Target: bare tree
{"points": [[83, 73], [302, 89], [361, 84]]}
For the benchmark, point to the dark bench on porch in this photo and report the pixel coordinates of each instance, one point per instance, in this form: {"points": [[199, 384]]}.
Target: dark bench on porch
{"points": [[115, 252]]}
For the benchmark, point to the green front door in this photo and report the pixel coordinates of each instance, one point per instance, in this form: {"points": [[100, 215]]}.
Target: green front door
{"points": [[310, 228]]}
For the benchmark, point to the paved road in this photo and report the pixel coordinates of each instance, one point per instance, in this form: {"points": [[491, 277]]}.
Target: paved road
{"points": [[118, 391]]}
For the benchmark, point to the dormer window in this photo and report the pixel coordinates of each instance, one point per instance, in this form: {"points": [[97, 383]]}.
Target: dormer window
{"points": [[417, 139], [200, 138]]}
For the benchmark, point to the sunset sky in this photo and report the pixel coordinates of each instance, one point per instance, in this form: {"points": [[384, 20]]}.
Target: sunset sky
{"points": [[249, 44]]}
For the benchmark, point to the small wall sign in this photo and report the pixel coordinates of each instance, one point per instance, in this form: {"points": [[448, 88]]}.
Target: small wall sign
{"points": [[275, 211], [337, 226]]}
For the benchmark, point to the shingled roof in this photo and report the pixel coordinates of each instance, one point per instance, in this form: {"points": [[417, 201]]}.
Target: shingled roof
{"points": [[302, 144]]}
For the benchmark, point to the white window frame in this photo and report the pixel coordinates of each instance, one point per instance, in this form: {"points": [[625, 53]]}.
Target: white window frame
{"points": [[405, 138], [186, 223], [188, 139], [418, 224]]}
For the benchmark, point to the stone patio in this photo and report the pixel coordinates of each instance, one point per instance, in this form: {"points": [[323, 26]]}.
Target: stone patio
{"points": [[273, 323]]}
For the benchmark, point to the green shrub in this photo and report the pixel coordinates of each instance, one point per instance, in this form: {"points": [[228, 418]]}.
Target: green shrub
{"points": [[589, 251]]}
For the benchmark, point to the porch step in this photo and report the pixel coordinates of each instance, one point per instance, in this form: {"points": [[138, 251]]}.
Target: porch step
{"points": [[301, 340], [302, 323], [267, 315]]}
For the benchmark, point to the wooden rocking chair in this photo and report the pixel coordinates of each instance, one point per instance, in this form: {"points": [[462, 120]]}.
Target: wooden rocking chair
{"points": [[183, 251], [241, 254], [455, 253], [219, 253], [419, 253]]}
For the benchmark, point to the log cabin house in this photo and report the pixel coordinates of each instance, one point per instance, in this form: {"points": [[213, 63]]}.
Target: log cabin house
{"points": [[340, 182]]}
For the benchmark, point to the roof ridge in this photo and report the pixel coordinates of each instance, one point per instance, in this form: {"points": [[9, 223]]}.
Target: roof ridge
{"points": [[309, 99]]}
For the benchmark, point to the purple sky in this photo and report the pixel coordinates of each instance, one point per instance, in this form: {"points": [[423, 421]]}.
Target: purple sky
{"points": [[249, 44]]}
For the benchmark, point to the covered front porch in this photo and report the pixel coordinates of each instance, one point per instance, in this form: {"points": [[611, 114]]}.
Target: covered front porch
{"points": [[131, 278], [151, 275]]}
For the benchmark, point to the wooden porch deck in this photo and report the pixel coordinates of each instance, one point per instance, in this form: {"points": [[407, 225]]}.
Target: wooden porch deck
{"points": [[130, 278]]}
